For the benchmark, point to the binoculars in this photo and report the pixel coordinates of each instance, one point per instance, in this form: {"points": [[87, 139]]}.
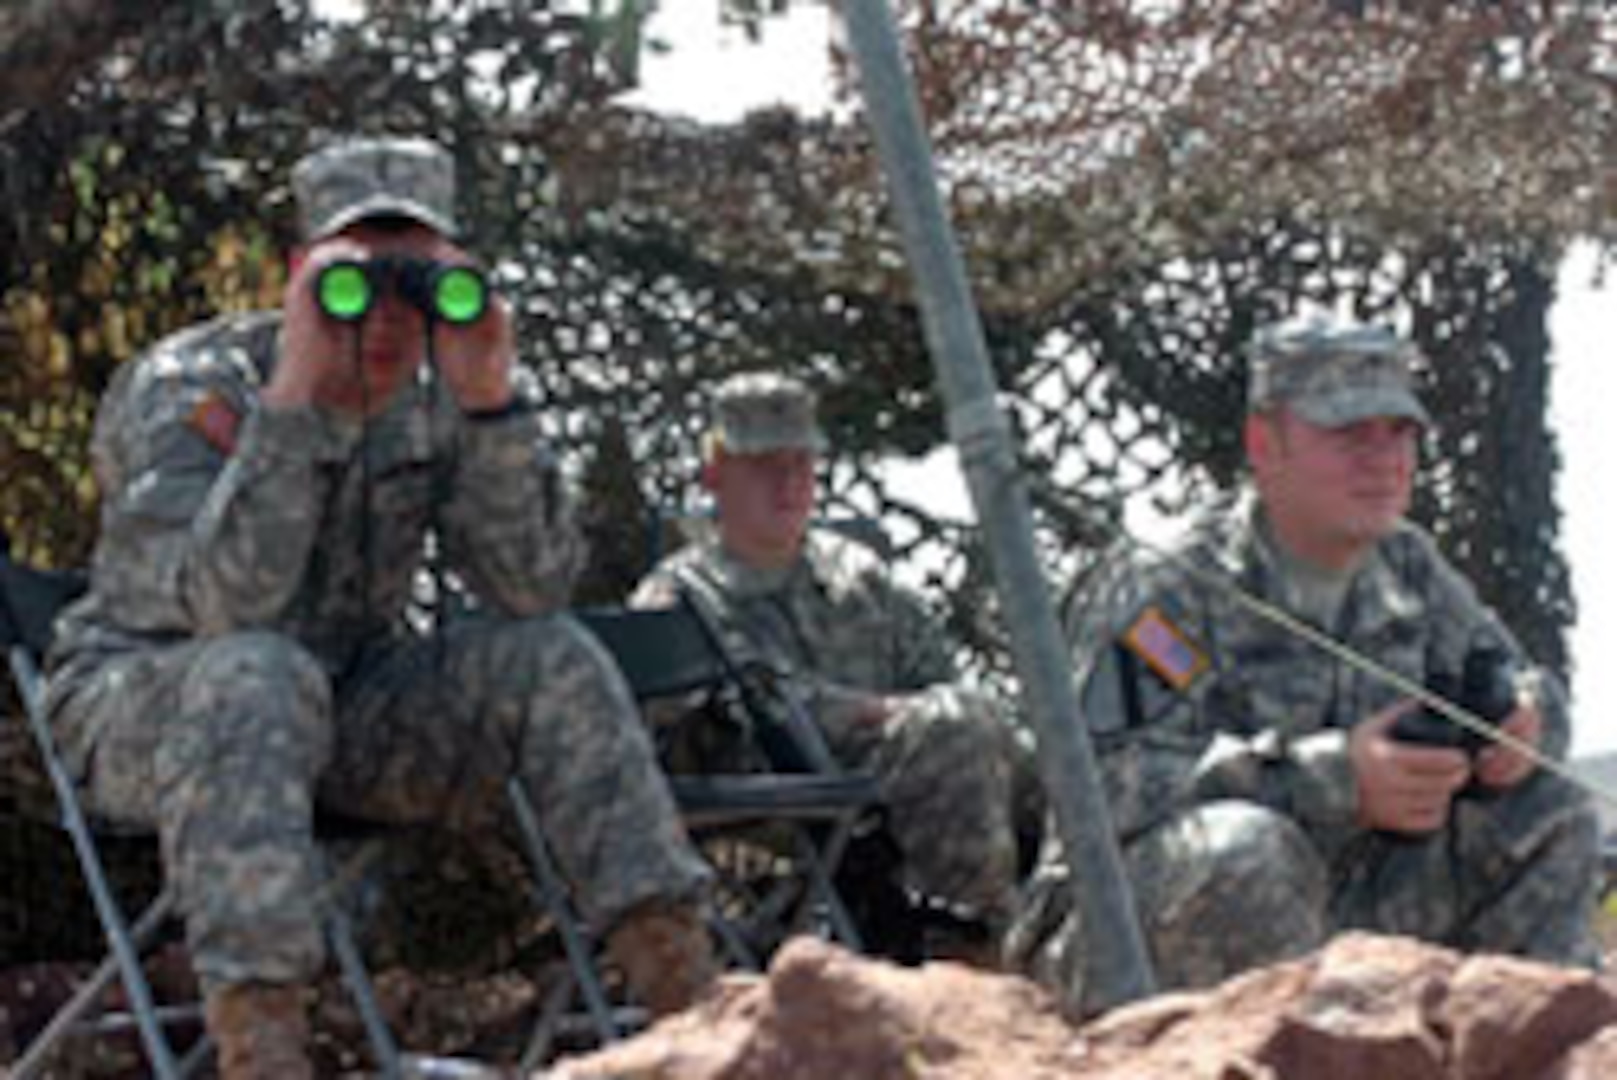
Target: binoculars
{"points": [[347, 289], [1486, 688]]}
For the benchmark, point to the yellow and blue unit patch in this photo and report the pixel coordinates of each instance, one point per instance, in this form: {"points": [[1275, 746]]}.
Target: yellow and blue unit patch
{"points": [[1166, 649]]}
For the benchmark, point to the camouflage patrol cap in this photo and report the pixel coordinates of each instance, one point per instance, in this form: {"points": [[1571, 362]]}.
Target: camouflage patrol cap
{"points": [[1333, 372], [757, 412], [375, 177]]}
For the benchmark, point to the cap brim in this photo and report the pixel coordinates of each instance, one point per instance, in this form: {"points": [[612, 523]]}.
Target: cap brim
{"points": [[377, 207], [1343, 408], [769, 442]]}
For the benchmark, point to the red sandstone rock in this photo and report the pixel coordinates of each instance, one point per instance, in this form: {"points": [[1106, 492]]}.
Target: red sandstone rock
{"points": [[1595, 1059], [1364, 1008], [825, 1013]]}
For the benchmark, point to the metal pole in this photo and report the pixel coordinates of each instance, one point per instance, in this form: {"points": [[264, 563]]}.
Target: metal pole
{"points": [[982, 437]]}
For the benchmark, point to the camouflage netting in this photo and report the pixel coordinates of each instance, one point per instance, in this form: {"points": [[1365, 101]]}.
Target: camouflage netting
{"points": [[1136, 186]]}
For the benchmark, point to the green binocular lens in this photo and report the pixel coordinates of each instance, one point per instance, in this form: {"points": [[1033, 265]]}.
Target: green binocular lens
{"points": [[347, 290], [459, 294]]}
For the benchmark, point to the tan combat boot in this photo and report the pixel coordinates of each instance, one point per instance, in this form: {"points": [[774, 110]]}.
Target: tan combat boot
{"points": [[261, 1031], [666, 954]]}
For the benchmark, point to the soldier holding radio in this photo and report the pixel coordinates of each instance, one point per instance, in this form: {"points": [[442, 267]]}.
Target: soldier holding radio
{"points": [[1268, 794]]}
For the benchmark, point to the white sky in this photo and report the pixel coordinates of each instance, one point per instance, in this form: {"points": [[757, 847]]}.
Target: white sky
{"points": [[1583, 331], [716, 75]]}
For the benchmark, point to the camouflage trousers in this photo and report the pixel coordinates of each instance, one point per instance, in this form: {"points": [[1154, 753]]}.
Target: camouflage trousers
{"points": [[1231, 885], [944, 762], [229, 745]]}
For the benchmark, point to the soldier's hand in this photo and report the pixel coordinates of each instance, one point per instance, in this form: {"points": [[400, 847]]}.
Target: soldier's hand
{"points": [[476, 359], [1501, 766], [317, 361], [1403, 787], [842, 706]]}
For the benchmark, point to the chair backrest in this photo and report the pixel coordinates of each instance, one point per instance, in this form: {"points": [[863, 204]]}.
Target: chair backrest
{"points": [[30, 599], [669, 651], [661, 651]]}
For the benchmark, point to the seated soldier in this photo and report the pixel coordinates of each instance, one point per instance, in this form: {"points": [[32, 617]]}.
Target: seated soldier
{"points": [[1266, 793], [268, 482], [857, 653]]}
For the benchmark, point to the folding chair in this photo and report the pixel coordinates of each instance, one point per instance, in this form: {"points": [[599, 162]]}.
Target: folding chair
{"points": [[675, 651], [29, 601], [668, 653], [892, 920]]}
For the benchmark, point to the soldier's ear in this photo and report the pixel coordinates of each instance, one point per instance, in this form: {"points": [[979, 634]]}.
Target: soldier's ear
{"points": [[1258, 439]]}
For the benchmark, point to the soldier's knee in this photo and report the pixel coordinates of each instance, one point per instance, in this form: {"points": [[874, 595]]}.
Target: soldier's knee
{"points": [[1547, 814], [964, 727], [1575, 831], [588, 662], [1251, 846], [253, 678], [1251, 890], [559, 666], [250, 661], [1234, 867]]}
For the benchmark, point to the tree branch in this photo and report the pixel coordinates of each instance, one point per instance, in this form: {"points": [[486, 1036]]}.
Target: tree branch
{"points": [[46, 44]]}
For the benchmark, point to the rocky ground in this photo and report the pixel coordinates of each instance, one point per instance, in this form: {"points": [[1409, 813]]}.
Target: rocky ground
{"points": [[1364, 1008]]}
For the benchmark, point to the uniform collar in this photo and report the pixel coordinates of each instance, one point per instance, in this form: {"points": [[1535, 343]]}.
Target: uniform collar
{"points": [[745, 579], [1268, 570]]}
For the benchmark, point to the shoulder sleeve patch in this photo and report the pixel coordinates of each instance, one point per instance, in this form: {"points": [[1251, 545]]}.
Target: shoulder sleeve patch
{"points": [[217, 423], [1165, 648]]}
